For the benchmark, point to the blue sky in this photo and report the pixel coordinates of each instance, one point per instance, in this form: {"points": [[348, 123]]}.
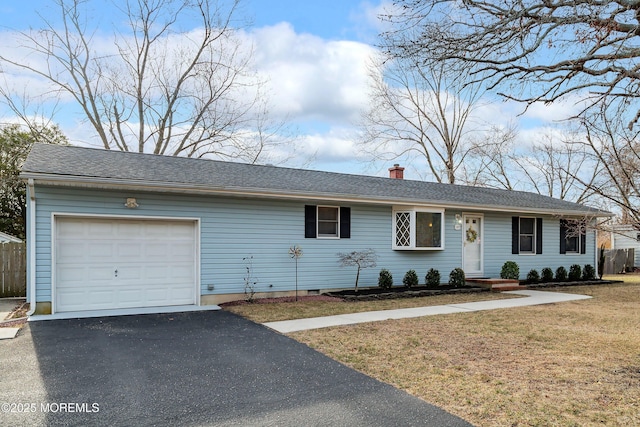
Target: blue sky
{"points": [[315, 56], [331, 19]]}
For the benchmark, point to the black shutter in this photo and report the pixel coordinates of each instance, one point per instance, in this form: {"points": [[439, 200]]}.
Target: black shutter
{"points": [[310, 213], [515, 235], [563, 236], [538, 235], [583, 242], [345, 223]]}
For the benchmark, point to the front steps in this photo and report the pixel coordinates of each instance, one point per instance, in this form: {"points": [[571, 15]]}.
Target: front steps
{"points": [[498, 285]]}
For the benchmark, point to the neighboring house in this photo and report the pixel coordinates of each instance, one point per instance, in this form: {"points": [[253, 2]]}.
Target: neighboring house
{"points": [[8, 238], [113, 230], [626, 237]]}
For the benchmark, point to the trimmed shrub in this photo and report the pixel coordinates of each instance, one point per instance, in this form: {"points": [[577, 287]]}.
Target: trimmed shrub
{"points": [[561, 274], [588, 273], [547, 275], [410, 279], [456, 277], [510, 270], [575, 272], [433, 277], [533, 276], [385, 280]]}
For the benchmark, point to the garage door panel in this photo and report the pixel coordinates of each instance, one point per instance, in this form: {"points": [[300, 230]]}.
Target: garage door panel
{"points": [[70, 252], [98, 250], [130, 228], [182, 249], [104, 297], [97, 229], [72, 297], [129, 250], [158, 250], [157, 272], [157, 294], [183, 273], [155, 262]]}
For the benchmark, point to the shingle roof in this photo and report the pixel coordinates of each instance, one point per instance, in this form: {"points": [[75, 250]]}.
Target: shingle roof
{"points": [[68, 163]]}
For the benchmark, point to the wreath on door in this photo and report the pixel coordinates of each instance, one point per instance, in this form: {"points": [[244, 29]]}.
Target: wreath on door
{"points": [[472, 235]]}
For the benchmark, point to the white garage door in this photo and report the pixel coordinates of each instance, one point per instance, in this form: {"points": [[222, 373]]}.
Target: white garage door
{"points": [[120, 263]]}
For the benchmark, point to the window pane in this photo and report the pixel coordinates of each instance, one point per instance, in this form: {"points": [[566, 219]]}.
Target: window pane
{"points": [[327, 214], [328, 229], [526, 243], [403, 229], [572, 244], [527, 225], [428, 229]]}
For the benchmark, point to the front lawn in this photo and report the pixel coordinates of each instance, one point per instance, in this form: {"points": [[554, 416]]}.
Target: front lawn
{"points": [[566, 364], [304, 309]]}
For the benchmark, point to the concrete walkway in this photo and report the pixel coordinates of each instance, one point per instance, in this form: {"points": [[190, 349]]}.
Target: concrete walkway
{"points": [[532, 298]]}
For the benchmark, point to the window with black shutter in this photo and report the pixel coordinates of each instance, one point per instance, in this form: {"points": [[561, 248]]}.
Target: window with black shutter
{"points": [[572, 237], [526, 235], [327, 222]]}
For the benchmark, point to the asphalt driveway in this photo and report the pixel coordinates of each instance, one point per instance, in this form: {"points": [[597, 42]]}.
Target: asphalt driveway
{"points": [[201, 368]]}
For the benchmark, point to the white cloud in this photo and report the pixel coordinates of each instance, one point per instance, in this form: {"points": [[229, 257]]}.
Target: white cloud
{"points": [[312, 78], [374, 15], [562, 109]]}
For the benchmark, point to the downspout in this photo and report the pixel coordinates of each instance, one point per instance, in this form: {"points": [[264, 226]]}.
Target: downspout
{"points": [[31, 243], [595, 253]]}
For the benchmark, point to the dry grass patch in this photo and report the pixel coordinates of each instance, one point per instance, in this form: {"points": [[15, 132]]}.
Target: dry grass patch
{"points": [[567, 364], [304, 309]]}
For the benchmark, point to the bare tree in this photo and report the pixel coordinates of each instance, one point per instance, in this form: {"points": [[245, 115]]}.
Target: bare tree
{"points": [[556, 165], [157, 86], [536, 50], [419, 111], [361, 259], [490, 159], [616, 148]]}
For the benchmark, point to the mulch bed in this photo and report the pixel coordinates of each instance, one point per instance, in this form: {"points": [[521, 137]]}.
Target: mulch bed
{"points": [[13, 323], [17, 316]]}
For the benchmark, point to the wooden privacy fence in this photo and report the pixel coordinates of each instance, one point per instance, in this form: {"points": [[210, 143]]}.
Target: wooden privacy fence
{"points": [[13, 270], [618, 260]]}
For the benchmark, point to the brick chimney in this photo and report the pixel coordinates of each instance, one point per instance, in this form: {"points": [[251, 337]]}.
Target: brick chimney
{"points": [[396, 172]]}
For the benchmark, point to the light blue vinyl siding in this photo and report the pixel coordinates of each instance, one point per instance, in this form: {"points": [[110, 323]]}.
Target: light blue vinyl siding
{"points": [[497, 247], [265, 229]]}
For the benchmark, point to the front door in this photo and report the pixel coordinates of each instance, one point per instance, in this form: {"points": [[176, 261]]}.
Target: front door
{"points": [[472, 245]]}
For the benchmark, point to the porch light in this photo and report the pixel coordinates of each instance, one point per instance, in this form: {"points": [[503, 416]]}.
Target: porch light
{"points": [[458, 224], [131, 203]]}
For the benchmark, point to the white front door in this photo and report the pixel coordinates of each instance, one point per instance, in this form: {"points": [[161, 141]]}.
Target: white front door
{"points": [[472, 241], [105, 263]]}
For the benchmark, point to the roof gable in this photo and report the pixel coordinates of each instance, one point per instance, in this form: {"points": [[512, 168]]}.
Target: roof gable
{"points": [[68, 164]]}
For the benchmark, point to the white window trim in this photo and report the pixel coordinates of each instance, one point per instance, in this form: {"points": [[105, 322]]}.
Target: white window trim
{"points": [[318, 235], [535, 236], [413, 211]]}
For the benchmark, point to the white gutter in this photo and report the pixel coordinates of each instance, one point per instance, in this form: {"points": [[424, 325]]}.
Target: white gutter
{"points": [[31, 244], [111, 183]]}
